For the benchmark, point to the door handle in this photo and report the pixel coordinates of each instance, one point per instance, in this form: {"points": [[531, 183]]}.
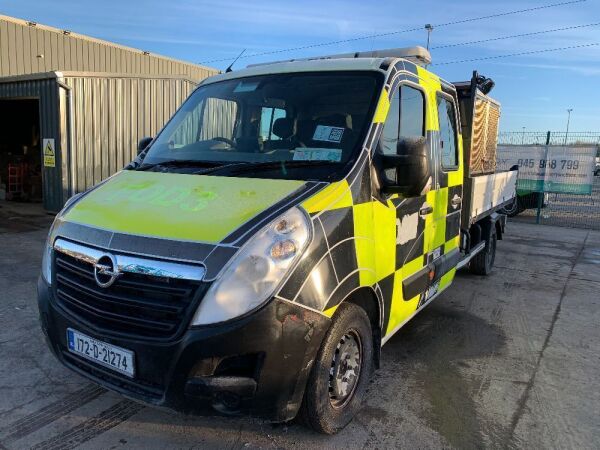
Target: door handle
{"points": [[425, 210], [456, 201]]}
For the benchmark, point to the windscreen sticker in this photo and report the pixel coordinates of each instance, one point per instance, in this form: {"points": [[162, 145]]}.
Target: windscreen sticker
{"points": [[246, 86], [318, 154], [328, 134]]}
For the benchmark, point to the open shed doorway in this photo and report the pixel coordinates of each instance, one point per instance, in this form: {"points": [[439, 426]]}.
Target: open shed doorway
{"points": [[20, 151]]}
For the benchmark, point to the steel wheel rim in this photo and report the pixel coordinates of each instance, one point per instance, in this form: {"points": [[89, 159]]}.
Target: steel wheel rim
{"points": [[345, 369]]}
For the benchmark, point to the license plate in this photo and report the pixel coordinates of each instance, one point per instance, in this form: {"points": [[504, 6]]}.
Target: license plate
{"points": [[108, 355]]}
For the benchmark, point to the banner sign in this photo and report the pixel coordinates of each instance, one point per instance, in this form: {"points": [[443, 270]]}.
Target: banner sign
{"points": [[556, 169]]}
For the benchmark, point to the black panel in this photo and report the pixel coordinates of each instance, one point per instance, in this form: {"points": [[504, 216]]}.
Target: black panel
{"points": [[416, 283], [344, 259], [446, 263], [361, 188], [343, 290], [338, 224], [83, 233], [414, 247], [319, 286], [452, 225], [217, 260], [165, 248], [452, 191], [387, 290]]}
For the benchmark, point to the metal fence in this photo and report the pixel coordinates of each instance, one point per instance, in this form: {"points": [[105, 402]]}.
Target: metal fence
{"points": [[549, 138], [560, 209]]}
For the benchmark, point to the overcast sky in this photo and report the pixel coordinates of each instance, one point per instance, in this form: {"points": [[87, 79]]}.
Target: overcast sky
{"points": [[534, 90]]}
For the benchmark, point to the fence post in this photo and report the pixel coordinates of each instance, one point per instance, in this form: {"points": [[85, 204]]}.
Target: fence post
{"points": [[540, 200]]}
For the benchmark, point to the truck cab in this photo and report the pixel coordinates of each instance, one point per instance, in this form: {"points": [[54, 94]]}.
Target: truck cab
{"points": [[285, 223]]}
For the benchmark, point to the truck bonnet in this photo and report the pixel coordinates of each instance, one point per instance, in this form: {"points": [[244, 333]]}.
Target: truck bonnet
{"points": [[178, 207]]}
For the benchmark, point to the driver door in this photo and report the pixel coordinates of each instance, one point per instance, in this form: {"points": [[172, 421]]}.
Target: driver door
{"points": [[414, 217]]}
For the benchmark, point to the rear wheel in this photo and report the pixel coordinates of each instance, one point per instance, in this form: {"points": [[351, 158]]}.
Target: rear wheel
{"points": [[341, 372], [482, 262]]}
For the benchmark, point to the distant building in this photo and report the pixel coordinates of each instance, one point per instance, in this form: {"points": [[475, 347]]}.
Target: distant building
{"points": [[72, 108]]}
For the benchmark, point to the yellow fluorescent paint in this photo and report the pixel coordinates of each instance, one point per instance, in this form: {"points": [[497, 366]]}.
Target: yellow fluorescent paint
{"points": [[447, 279], [177, 206], [336, 195], [400, 309], [383, 106], [431, 83], [331, 311], [365, 242], [385, 242]]}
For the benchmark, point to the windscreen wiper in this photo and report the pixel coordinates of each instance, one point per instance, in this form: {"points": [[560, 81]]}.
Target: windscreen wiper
{"points": [[180, 163], [266, 165]]}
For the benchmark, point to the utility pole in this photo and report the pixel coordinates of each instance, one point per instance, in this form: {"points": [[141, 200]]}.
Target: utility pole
{"points": [[568, 121], [429, 29]]}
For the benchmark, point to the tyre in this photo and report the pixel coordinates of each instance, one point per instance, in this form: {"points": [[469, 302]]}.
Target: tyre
{"points": [[341, 372], [482, 262]]}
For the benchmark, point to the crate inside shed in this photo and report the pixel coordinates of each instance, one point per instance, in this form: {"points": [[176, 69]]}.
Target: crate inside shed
{"points": [[480, 116]]}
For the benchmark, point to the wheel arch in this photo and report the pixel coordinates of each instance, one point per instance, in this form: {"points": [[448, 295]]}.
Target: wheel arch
{"points": [[366, 297]]}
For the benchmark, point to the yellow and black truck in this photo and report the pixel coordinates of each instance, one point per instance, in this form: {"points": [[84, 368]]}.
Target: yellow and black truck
{"points": [[284, 224]]}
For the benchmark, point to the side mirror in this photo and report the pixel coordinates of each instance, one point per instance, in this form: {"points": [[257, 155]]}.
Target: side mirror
{"points": [[408, 171], [144, 142]]}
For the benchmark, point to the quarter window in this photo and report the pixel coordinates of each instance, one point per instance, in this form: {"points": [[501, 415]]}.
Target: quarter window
{"points": [[448, 147]]}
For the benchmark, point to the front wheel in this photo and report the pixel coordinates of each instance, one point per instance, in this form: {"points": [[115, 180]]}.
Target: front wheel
{"points": [[341, 372]]}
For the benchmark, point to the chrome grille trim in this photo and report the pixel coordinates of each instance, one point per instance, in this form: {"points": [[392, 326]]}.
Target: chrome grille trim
{"points": [[133, 264]]}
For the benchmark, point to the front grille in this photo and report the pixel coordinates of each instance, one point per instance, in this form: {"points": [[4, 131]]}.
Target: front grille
{"points": [[135, 305]]}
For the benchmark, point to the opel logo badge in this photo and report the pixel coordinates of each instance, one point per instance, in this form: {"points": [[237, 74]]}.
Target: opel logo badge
{"points": [[106, 271]]}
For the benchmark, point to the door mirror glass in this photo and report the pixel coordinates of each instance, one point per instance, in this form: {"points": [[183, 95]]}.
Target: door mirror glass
{"points": [[408, 172], [144, 142]]}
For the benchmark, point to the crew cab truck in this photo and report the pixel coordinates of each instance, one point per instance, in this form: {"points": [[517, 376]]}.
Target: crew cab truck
{"points": [[284, 224]]}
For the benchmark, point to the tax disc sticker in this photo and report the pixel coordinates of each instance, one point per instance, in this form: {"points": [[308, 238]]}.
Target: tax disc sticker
{"points": [[328, 134]]}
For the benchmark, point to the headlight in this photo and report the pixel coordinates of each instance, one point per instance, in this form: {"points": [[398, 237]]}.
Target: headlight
{"points": [[257, 270], [47, 256]]}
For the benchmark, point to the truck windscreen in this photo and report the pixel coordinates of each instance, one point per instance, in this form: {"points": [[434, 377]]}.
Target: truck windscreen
{"points": [[292, 125]]}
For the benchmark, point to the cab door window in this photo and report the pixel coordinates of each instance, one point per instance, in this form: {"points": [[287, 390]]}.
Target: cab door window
{"points": [[406, 118], [448, 141]]}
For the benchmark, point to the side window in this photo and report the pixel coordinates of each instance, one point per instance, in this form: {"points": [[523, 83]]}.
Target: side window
{"points": [[412, 112], [268, 117], [391, 127], [448, 147], [406, 118]]}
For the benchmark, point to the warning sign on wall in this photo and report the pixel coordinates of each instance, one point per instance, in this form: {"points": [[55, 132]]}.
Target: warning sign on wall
{"points": [[49, 153]]}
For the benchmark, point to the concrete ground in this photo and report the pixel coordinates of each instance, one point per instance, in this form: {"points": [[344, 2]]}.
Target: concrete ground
{"points": [[511, 360]]}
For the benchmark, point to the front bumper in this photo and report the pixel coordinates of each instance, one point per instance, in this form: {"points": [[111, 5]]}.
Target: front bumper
{"points": [[257, 364]]}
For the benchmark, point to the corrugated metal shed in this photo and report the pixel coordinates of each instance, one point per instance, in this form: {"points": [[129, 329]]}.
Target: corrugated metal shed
{"points": [[96, 99], [96, 120], [27, 47], [110, 114]]}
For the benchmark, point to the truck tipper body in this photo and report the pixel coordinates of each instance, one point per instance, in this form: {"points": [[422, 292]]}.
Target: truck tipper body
{"points": [[263, 247]]}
